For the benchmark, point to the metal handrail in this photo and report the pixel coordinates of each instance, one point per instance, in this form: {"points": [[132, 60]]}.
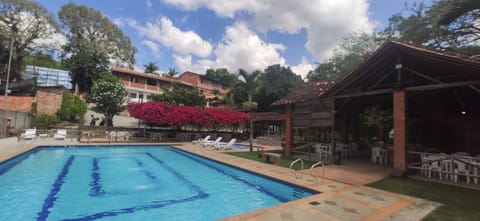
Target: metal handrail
{"points": [[323, 171], [293, 170]]}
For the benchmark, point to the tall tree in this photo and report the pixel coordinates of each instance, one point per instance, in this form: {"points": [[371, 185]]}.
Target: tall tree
{"points": [[151, 67], [352, 51], [275, 82], [181, 96], [30, 26], [109, 96], [250, 85], [171, 72], [85, 67], [445, 25], [222, 75], [43, 60], [93, 39]]}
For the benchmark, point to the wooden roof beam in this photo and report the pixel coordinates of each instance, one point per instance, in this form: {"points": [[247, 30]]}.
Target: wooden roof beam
{"points": [[435, 80], [366, 93], [442, 86]]}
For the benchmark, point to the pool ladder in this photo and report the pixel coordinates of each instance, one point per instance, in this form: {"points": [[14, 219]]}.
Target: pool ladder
{"points": [[323, 171], [293, 170]]}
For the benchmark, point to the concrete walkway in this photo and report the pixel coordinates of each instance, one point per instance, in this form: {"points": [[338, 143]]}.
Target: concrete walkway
{"points": [[337, 200]]}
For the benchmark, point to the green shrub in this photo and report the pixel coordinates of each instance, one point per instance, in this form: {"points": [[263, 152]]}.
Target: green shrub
{"points": [[71, 107], [45, 121]]}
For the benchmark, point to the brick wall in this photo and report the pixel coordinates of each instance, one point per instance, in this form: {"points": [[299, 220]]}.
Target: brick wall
{"points": [[17, 103], [49, 99], [400, 132]]}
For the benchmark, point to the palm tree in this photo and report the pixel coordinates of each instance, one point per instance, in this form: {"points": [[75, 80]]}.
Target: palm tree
{"points": [[151, 67], [250, 84], [171, 72]]}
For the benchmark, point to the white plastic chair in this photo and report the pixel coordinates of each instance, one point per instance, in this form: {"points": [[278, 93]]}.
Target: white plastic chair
{"points": [[378, 156], [437, 166], [325, 151], [460, 168]]}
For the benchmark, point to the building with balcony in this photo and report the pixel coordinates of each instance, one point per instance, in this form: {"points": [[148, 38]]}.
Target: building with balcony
{"points": [[141, 86], [212, 89]]}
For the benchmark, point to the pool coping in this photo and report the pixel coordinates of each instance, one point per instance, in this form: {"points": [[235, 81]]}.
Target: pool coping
{"points": [[329, 193]]}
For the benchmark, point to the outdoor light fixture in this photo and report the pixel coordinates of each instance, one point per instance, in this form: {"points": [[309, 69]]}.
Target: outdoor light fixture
{"points": [[463, 112]]}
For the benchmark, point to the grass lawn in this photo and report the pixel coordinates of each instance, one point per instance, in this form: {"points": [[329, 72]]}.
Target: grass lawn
{"points": [[458, 203], [284, 161]]}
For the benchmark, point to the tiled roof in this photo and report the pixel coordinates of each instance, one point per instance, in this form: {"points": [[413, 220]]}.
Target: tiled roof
{"points": [[308, 91], [149, 75], [202, 76]]}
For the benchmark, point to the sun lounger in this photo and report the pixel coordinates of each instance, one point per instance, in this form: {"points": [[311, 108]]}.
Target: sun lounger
{"points": [[225, 146], [30, 134], [60, 135], [211, 142], [201, 140]]}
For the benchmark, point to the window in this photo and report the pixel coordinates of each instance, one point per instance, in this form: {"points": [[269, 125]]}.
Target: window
{"points": [[151, 82], [201, 81], [133, 79], [132, 95]]}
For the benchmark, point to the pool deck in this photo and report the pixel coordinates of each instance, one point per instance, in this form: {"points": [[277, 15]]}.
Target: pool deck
{"points": [[343, 195]]}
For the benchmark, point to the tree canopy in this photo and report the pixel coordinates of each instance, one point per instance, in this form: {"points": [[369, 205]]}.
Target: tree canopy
{"points": [[222, 75], [352, 51], [151, 67], [445, 25], [181, 96], [109, 96], [275, 82], [88, 28], [94, 44], [30, 26]]}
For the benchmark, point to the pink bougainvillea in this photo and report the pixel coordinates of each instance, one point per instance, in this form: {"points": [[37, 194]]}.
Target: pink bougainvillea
{"points": [[161, 114]]}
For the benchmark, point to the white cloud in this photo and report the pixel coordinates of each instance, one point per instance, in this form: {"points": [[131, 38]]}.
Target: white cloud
{"points": [[325, 21], [243, 48], [153, 47], [184, 63], [240, 48], [118, 22], [163, 31], [303, 68], [224, 8]]}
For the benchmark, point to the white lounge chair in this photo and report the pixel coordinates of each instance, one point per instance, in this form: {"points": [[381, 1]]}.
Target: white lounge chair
{"points": [[211, 142], [60, 135], [225, 146], [30, 134], [201, 140]]}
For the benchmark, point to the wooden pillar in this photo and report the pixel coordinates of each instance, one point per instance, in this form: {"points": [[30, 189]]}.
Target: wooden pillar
{"points": [[288, 130], [400, 132]]}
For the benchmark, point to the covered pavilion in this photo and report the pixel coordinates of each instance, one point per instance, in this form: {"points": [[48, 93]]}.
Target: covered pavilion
{"points": [[430, 99]]}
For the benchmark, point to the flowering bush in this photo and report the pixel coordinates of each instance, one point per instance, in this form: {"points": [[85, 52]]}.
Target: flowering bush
{"points": [[161, 114]]}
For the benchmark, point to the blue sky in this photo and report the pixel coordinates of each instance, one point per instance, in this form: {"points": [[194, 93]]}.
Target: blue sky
{"points": [[198, 34]]}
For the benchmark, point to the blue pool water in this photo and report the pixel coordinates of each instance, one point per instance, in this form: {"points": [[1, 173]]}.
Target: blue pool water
{"points": [[242, 146], [131, 183]]}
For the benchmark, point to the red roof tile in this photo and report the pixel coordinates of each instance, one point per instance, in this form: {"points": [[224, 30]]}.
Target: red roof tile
{"points": [[308, 91]]}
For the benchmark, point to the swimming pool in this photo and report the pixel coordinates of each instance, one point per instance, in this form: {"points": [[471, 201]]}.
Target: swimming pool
{"points": [[131, 183], [242, 146]]}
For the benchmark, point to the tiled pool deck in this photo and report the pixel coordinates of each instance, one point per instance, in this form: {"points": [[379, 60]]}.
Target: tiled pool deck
{"points": [[343, 197]]}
